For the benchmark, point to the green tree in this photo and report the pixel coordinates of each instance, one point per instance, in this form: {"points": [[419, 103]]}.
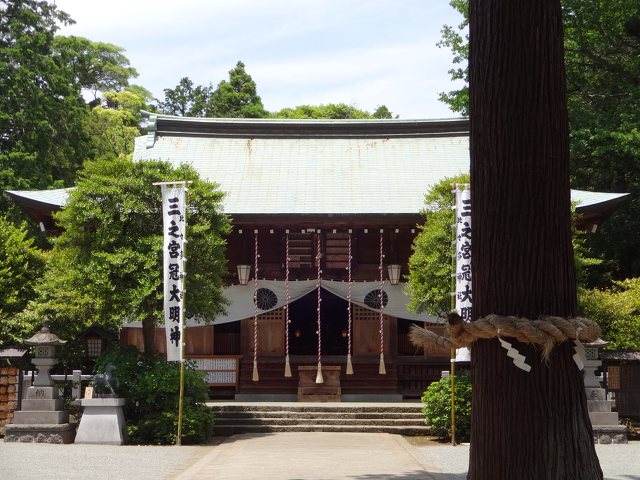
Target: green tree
{"points": [[430, 265], [457, 40], [42, 140], [603, 68], [21, 267], [383, 112], [113, 126], [617, 311], [96, 66], [331, 111], [186, 99], [236, 98], [106, 265], [151, 385], [437, 407], [601, 43]]}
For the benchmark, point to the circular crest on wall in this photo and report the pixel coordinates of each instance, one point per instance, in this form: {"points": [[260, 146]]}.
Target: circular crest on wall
{"points": [[266, 299], [372, 299]]}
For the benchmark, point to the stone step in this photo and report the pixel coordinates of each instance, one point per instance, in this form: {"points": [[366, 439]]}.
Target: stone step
{"points": [[318, 414], [402, 419], [332, 407], [398, 430], [315, 421]]}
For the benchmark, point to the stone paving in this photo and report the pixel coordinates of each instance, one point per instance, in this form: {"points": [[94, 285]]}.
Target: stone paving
{"points": [[279, 456]]}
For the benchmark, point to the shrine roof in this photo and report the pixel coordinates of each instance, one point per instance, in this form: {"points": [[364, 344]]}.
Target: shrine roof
{"points": [[314, 167]]}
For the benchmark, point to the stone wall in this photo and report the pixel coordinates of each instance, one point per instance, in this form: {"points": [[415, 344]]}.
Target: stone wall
{"points": [[8, 395]]}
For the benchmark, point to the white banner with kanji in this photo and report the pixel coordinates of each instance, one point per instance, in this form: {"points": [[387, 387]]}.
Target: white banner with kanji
{"points": [[174, 225], [463, 292], [463, 252]]}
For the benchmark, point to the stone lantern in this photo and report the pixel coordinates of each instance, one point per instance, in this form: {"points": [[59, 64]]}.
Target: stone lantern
{"points": [[603, 420], [44, 343], [42, 418]]}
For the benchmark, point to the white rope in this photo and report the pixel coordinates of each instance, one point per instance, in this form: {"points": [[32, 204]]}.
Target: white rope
{"points": [[255, 376]]}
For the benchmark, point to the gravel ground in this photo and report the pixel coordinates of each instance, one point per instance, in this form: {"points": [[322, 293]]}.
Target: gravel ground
{"points": [[19, 461], [618, 462], [27, 461]]}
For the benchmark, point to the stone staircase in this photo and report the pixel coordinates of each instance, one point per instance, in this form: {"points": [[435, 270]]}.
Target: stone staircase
{"points": [[397, 418]]}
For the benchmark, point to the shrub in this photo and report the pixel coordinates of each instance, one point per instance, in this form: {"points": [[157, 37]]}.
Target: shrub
{"points": [[437, 407], [151, 388]]}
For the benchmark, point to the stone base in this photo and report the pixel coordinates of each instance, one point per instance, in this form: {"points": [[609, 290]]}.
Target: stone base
{"points": [[102, 422], [62, 433], [609, 434], [603, 418]]}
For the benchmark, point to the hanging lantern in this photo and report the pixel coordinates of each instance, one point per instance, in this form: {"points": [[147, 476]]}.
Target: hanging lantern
{"points": [[244, 272], [394, 271]]}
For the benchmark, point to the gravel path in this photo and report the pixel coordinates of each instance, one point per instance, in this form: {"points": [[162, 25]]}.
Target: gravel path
{"points": [[618, 462], [20, 461], [28, 461]]}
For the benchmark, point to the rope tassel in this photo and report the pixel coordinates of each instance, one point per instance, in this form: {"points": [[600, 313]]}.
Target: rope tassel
{"points": [[255, 376], [349, 365], [381, 369], [319, 378], [287, 367]]}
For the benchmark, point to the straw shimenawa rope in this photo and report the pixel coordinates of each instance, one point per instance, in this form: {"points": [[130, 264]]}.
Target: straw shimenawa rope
{"points": [[547, 331]]}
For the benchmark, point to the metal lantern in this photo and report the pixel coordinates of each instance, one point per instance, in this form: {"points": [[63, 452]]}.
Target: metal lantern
{"points": [[244, 271], [394, 273]]}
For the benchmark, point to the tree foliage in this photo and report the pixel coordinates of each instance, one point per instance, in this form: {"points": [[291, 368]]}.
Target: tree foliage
{"points": [[437, 407], [95, 66], [47, 130], [602, 40], [42, 138], [151, 385], [236, 98], [457, 40], [603, 68], [21, 266], [186, 99], [106, 265], [617, 311], [113, 126], [430, 265], [331, 111]]}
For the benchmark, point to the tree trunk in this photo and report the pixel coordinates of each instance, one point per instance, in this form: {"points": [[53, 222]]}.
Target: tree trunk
{"points": [[524, 425], [149, 334]]}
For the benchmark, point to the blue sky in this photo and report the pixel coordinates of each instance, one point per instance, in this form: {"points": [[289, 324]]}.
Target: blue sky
{"points": [[361, 52]]}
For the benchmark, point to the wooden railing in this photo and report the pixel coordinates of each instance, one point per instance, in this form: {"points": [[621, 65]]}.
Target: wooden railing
{"points": [[220, 370]]}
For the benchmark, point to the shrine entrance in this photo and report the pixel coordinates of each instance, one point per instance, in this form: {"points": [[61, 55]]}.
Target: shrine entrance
{"points": [[303, 339]]}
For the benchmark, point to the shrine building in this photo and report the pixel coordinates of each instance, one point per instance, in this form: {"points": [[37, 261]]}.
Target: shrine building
{"points": [[327, 211]]}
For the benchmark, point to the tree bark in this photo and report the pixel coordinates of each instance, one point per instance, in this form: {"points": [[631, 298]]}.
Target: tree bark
{"points": [[524, 425]]}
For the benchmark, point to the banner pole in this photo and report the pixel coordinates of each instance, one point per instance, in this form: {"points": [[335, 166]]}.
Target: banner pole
{"points": [[182, 320], [453, 350], [182, 324]]}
